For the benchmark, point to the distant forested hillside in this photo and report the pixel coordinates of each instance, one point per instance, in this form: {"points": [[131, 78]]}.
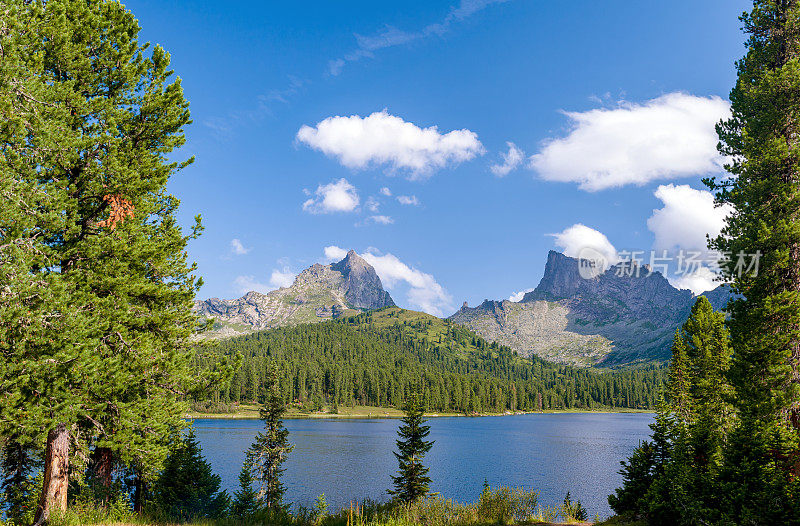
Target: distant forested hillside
{"points": [[375, 357]]}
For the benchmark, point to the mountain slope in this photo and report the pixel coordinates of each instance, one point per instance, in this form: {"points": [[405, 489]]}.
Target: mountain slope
{"points": [[318, 293], [615, 318], [374, 358]]}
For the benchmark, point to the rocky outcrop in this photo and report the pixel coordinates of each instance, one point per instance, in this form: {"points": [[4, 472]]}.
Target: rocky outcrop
{"points": [[362, 286], [621, 316], [318, 293]]}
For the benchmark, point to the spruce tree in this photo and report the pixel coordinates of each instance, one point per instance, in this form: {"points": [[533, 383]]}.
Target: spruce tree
{"points": [[266, 456], [674, 479], [412, 481], [245, 500], [187, 488], [760, 138]]}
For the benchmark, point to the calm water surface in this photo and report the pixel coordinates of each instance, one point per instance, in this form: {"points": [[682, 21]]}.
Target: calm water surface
{"points": [[352, 459]]}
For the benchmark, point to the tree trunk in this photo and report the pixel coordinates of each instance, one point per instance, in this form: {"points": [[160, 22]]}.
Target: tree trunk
{"points": [[103, 469], [56, 474], [138, 493]]}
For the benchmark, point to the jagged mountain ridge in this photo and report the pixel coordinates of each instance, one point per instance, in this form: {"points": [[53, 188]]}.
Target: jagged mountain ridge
{"points": [[618, 317], [320, 292]]}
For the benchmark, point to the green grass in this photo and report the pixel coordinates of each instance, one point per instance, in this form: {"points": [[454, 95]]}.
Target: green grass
{"points": [[495, 506]]}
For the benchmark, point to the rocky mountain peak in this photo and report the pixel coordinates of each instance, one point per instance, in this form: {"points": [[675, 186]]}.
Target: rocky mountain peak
{"points": [[561, 278], [626, 314], [362, 288], [319, 292]]}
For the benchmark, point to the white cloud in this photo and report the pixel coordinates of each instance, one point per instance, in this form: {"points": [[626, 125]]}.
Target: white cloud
{"points": [[391, 36], [278, 278], [372, 204], [702, 280], [381, 220], [282, 278], [670, 136], [385, 191], [511, 160], [423, 293], [580, 241], [408, 200], [517, 296], [245, 284], [338, 196], [686, 217], [334, 253], [383, 139], [238, 248]]}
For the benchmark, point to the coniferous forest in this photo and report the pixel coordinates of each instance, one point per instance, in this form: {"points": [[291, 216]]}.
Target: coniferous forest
{"points": [[102, 354], [376, 358]]}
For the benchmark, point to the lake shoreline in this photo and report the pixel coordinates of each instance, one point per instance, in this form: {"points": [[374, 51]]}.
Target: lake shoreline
{"points": [[366, 412]]}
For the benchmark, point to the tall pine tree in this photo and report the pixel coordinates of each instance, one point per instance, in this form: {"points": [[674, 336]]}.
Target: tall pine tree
{"points": [[674, 479], [761, 139], [266, 456], [412, 481], [96, 286]]}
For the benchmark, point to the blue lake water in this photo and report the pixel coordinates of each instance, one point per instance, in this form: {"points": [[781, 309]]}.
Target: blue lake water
{"points": [[352, 459]]}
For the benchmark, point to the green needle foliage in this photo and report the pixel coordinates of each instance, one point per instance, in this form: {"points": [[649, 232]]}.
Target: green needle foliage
{"points": [[763, 460], [95, 288], [245, 500], [412, 481], [187, 489], [675, 477], [266, 456]]}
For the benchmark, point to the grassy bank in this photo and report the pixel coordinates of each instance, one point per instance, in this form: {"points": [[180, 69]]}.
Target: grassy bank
{"points": [[246, 411], [495, 506]]}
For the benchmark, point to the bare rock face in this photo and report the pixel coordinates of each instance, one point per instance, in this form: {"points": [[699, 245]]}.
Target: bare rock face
{"points": [[318, 293], [618, 317], [362, 286]]}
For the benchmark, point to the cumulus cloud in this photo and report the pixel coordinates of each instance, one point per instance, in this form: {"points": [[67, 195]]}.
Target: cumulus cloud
{"points": [[383, 139], [385, 191], [334, 253], [699, 281], [686, 217], [682, 224], [408, 200], [278, 278], [238, 248], [338, 196], [511, 160], [581, 241], [517, 296], [282, 278], [667, 137], [381, 220], [423, 291]]}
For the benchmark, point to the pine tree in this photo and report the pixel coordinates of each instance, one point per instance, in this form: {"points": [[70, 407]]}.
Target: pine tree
{"points": [[760, 139], [637, 477], [96, 289], [674, 478], [245, 501], [187, 488], [412, 481], [266, 456]]}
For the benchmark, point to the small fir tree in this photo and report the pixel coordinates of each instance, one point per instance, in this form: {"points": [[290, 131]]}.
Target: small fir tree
{"points": [[266, 456], [187, 488], [412, 481], [245, 501]]}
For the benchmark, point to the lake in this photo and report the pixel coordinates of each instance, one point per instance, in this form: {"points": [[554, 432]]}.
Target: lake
{"points": [[352, 459]]}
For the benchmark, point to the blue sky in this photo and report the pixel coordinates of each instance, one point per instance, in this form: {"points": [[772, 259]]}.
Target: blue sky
{"points": [[308, 115]]}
